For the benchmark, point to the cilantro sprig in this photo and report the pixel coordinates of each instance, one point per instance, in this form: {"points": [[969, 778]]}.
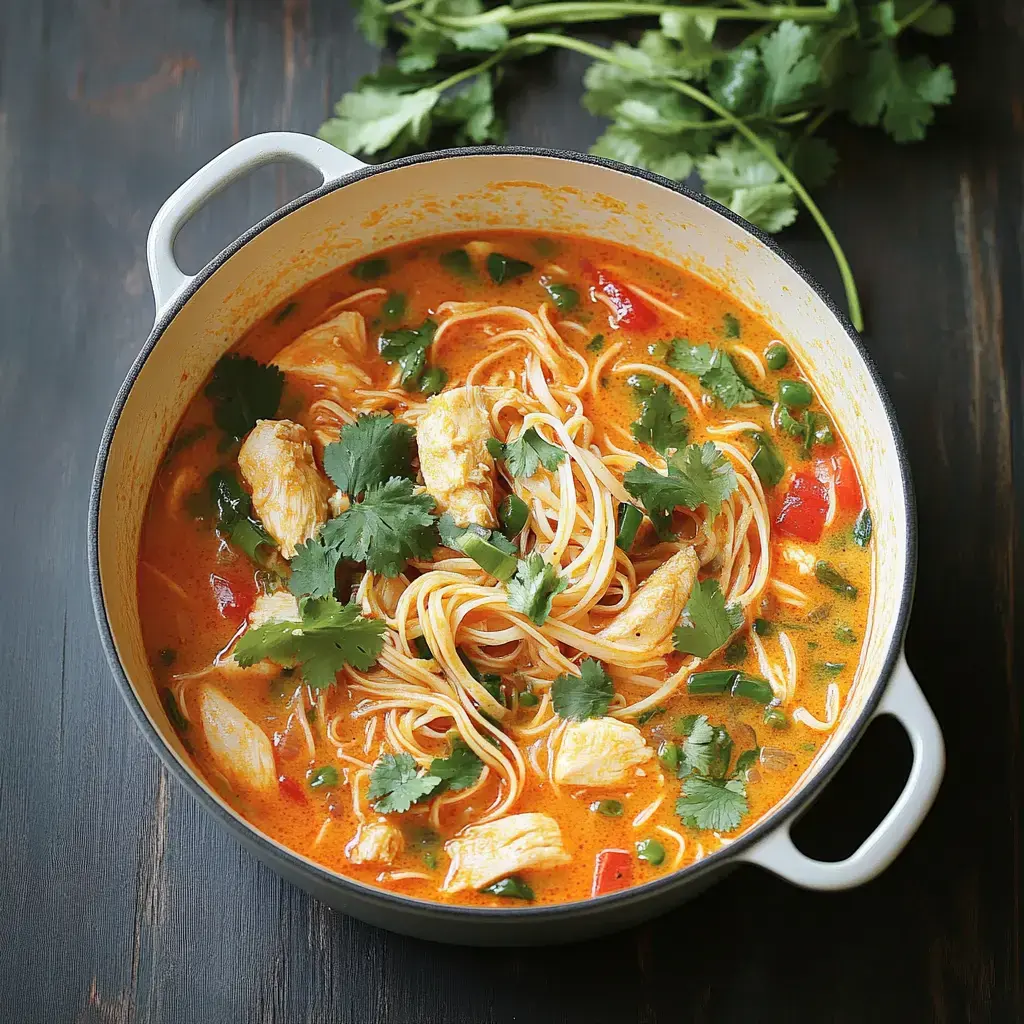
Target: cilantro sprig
{"points": [[242, 391], [708, 622], [726, 89], [662, 421], [717, 373], [712, 798], [328, 636], [587, 695], [370, 452], [534, 586], [696, 475], [526, 453]]}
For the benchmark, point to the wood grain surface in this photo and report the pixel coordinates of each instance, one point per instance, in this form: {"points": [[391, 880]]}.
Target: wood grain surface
{"points": [[119, 902]]}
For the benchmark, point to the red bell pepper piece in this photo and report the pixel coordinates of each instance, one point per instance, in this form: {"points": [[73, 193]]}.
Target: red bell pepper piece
{"points": [[613, 871], [291, 790], [630, 309], [844, 477], [804, 508]]}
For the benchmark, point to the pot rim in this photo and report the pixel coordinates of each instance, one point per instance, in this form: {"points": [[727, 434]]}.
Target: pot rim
{"points": [[241, 828]]}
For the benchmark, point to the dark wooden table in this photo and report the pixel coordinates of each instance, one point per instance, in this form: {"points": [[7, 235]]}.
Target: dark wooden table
{"points": [[120, 902]]}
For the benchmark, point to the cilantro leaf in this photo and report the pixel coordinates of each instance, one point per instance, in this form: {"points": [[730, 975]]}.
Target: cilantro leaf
{"points": [[706, 750], [716, 371], [662, 423], [736, 80], [234, 516], [460, 769], [368, 452], [471, 113], [533, 587], [243, 391], [313, 568], [697, 475], [790, 65], [387, 528], [408, 347], [901, 94], [329, 636], [381, 115], [712, 804], [372, 19], [396, 784], [742, 178], [503, 268], [707, 621], [587, 695], [526, 453]]}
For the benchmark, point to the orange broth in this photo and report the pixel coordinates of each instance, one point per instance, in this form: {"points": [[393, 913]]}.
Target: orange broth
{"points": [[194, 590]]}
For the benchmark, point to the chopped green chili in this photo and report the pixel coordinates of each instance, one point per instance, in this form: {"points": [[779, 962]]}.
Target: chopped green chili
{"points": [[776, 356], [795, 394], [651, 851], [834, 580], [513, 513], [512, 887], [629, 520], [775, 718], [609, 808], [500, 564]]}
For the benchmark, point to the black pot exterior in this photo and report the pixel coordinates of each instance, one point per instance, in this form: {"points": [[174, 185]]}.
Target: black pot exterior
{"points": [[470, 925]]}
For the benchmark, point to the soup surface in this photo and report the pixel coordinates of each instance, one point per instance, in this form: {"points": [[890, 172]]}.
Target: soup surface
{"points": [[505, 568]]}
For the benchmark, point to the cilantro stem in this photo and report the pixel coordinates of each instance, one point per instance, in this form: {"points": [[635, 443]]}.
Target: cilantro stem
{"points": [[602, 54], [918, 12], [611, 10]]}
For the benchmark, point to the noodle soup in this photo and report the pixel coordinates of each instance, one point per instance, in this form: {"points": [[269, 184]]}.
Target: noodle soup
{"points": [[503, 569]]}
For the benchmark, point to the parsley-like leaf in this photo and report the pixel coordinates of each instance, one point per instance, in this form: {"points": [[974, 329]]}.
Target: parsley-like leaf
{"points": [[697, 475], [584, 696], [533, 587], [506, 268], [716, 371], [707, 621], [387, 528], [662, 423], [713, 805], [329, 636], [243, 391], [460, 769], [742, 178], [408, 347], [790, 65], [368, 452], [313, 568], [526, 453], [379, 115], [706, 750], [396, 784]]}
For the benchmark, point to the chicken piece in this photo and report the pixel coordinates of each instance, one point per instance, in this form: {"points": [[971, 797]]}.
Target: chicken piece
{"points": [[457, 467], [375, 843], [484, 853], [288, 491], [325, 354], [599, 752], [654, 609], [280, 606], [240, 748]]}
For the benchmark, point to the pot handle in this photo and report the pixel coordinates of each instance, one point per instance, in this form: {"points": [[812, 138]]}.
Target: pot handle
{"points": [[903, 700], [167, 277]]}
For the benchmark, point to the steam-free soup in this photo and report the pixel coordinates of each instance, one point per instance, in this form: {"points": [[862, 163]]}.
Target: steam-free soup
{"points": [[504, 569]]}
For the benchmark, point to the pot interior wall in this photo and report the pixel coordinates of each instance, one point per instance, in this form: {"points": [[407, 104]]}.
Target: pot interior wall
{"points": [[489, 191]]}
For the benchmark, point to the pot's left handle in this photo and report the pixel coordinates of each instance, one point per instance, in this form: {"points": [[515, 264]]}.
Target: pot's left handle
{"points": [[903, 700], [167, 277]]}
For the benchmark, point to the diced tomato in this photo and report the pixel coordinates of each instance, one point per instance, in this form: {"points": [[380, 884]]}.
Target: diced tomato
{"points": [[844, 476], [613, 871], [630, 309], [291, 790], [804, 508], [234, 594]]}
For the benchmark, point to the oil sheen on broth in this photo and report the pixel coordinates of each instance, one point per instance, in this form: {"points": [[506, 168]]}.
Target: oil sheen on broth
{"points": [[505, 711]]}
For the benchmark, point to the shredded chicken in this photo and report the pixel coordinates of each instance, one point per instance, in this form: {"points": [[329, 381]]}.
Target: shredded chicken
{"points": [[288, 491], [241, 749], [599, 752], [457, 468], [655, 608], [481, 854], [325, 353], [375, 843]]}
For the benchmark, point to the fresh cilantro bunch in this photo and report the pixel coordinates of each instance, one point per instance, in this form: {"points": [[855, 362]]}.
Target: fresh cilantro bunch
{"points": [[396, 783], [736, 91]]}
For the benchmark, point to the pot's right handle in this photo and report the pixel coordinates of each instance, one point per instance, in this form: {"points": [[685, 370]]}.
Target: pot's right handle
{"points": [[903, 700], [167, 277]]}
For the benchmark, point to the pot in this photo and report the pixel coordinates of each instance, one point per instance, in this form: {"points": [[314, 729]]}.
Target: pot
{"points": [[359, 210]]}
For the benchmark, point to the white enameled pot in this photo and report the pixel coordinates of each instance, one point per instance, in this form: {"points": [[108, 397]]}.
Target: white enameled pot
{"points": [[359, 210]]}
